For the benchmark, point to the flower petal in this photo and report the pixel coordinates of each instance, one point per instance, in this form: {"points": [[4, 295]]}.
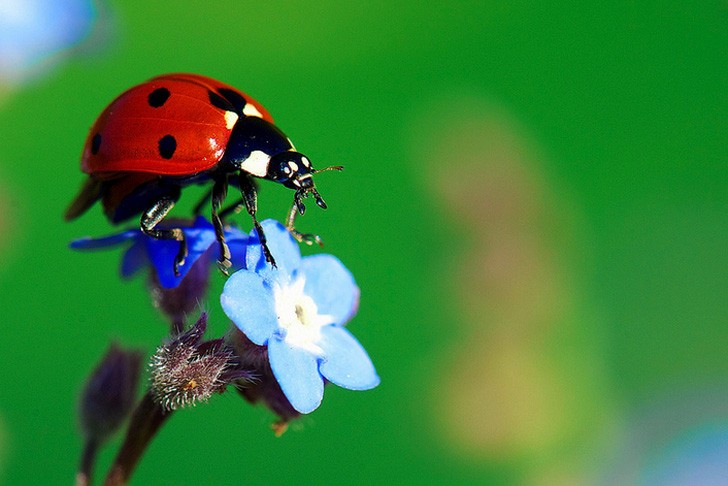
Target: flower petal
{"points": [[331, 286], [134, 259], [296, 371], [346, 363], [248, 301], [163, 253], [238, 248], [282, 246], [199, 237], [105, 242], [238, 243]]}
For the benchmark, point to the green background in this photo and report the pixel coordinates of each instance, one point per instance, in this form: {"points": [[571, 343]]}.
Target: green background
{"points": [[589, 137]]}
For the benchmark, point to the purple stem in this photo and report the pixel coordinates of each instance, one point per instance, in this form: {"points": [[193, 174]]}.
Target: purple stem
{"points": [[85, 473], [146, 421]]}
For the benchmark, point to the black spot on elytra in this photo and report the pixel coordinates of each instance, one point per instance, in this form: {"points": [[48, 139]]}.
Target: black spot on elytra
{"points": [[167, 146], [158, 97], [235, 99], [96, 144], [219, 102]]}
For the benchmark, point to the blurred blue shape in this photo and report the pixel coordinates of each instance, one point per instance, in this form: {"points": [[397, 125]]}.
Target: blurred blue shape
{"points": [[679, 438], [696, 458], [36, 34]]}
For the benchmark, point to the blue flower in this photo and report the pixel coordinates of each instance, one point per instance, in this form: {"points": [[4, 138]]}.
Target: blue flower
{"points": [[161, 254], [297, 311]]}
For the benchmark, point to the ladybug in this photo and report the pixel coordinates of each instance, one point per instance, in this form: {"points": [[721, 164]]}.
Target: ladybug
{"points": [[181, 129]]}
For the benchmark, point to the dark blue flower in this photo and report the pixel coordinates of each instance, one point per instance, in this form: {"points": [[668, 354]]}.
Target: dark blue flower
{"points": [[110, 393], [298, 311], [160, 254]]}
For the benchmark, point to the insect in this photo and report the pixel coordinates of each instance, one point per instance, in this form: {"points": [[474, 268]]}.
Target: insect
{"points": [[181, 129]]}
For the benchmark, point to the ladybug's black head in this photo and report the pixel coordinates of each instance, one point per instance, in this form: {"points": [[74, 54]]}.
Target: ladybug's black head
{"points": [[294, 171], [291, 169]]}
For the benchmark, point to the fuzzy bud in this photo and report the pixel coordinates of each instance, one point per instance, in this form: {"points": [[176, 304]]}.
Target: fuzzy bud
{"points": [[186, 370]]}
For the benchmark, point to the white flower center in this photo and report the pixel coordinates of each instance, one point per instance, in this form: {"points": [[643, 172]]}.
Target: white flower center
{"points": [[298, 315]]}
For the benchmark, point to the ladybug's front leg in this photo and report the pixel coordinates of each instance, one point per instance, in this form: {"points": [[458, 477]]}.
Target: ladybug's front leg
{"points": [[219, 191], [151, 218], [250, 198], [299, 208]]}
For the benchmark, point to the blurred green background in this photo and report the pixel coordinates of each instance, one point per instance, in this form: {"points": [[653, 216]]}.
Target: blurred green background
{"points": [[534, 205]]}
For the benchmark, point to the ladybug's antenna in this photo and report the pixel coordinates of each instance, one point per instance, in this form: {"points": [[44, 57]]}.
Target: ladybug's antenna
{"points": [[333, 167], [319, 200]]}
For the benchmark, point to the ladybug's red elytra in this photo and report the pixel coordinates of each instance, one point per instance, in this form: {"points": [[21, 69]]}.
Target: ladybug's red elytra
{"points": [[180, 129]]}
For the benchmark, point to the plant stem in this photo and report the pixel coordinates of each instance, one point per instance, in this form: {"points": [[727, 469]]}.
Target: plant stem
{"points": [[147, 419], [85, 473]]}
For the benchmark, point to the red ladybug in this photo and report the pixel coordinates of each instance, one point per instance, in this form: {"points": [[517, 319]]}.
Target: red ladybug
{"points": [[180, 129]]}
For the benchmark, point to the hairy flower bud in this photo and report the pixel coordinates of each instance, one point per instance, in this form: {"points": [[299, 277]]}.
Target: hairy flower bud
{"points": [[186, 370]]}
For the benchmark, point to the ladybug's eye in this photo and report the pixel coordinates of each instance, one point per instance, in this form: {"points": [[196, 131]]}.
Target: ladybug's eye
{"points": [[284, 170], [280, 171]]}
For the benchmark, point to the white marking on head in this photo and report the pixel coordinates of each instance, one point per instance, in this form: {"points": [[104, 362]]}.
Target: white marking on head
{"points": [[230, 119], [256, 164], [306, 162], [305, 178], [293, 166], [250, 110]]}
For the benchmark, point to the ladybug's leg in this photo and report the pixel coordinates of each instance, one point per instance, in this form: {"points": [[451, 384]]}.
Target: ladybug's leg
{"points": [[151, 218], [219, 191], [297, 208], [250, 199]]}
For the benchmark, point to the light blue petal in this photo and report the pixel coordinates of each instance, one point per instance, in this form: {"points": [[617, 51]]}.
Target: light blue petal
{"points": [[248, 301], [331, 286], [296, 371], [282, 246], [105, 242], [346, 363]]}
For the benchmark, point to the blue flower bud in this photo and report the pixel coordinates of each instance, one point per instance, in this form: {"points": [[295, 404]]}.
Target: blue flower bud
{"points": [[110, 393]]}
